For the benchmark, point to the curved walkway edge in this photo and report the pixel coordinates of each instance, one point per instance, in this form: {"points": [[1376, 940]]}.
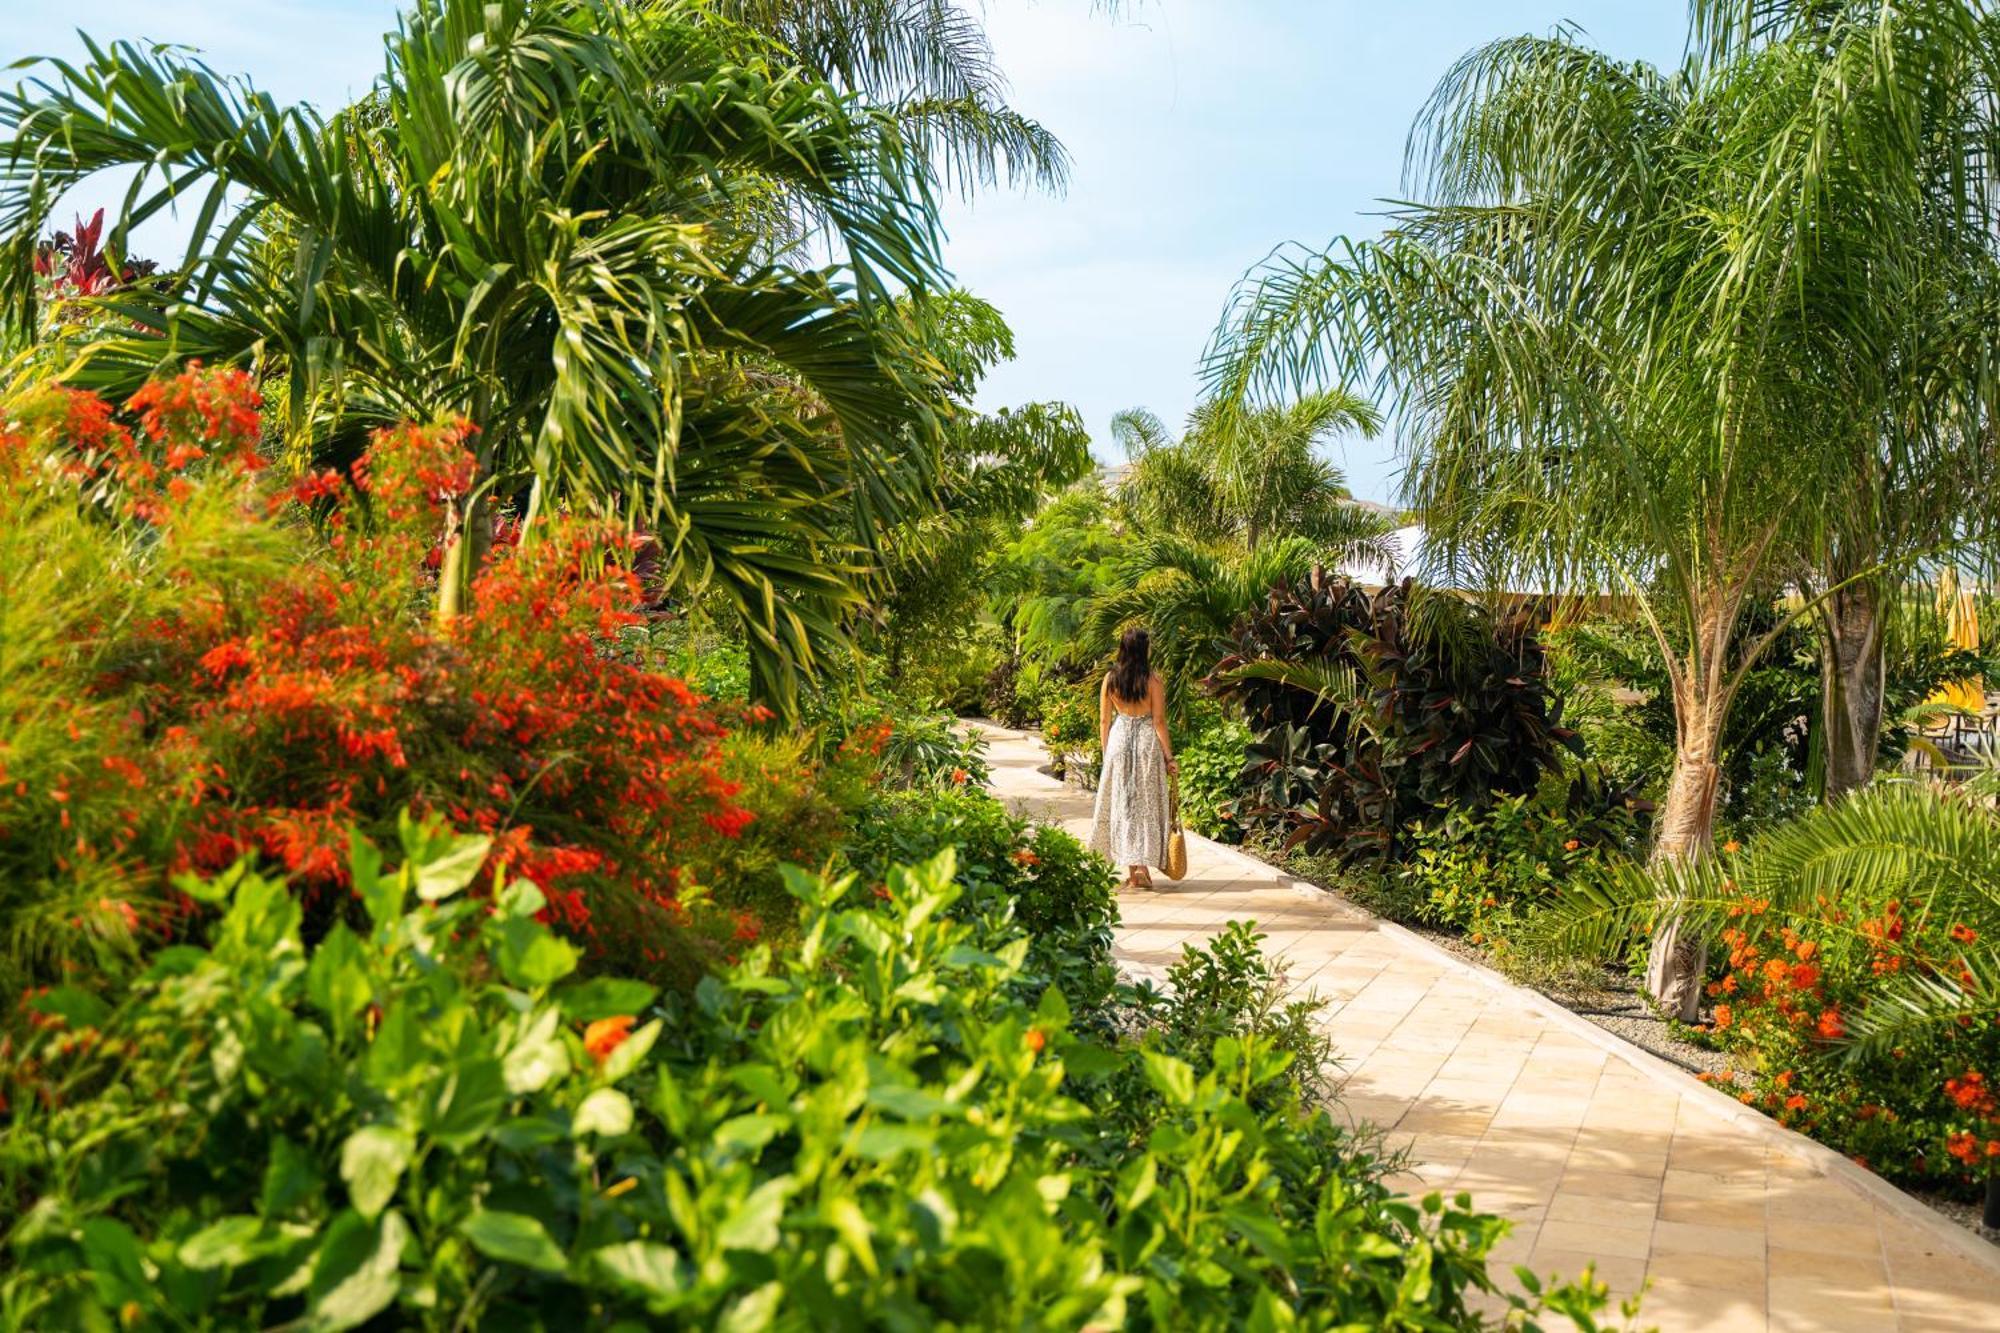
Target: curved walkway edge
{"points": [[1596, 1150]]}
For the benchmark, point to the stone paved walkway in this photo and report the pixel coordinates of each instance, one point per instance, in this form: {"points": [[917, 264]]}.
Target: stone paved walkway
{"points": [[1596, 1150]]}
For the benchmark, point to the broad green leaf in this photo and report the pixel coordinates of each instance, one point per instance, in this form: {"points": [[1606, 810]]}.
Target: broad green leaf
{"points": [[372, 1162], [381, 895], [469, 1102], [607, 1112], [851, 1225], [79, 1008], [630, 1053], [450, 870], [531, 956], [1173, 1078], [753, 1224], [604, 997], [655, 1270], [398, 1049], [513, 1238], [749, 1132], [354, 1274], [337, 979], [290, 1178], [537, 1057], [229, 1243]]}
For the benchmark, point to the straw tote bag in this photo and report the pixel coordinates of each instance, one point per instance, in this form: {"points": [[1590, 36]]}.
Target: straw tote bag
{"points": [[1176, 866]]}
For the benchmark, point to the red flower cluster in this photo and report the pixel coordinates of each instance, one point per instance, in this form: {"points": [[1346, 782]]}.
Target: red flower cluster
{"points": [[276, 704]]}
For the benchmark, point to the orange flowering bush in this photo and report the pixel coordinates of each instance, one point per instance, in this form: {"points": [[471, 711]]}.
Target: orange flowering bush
{"points": [[219, 665], [1786, 1004]]}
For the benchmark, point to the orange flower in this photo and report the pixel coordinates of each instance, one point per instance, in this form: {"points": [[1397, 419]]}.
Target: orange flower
{"points": [[606, 1035], [1024, 857], [1035, 1040], [1571, 845], [1805, 950], [1963, 933], [1723, 1017], [1732, 846], [1796, 1102], [1805, 976], [1963, 1146], [1830, 1026], [958, 777]]}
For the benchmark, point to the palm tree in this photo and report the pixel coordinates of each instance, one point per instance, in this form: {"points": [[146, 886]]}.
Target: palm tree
{"points": [[1928, 448], [928, 64], [1617, 335], [553, 217], [1242, 475], [1191, 595]]}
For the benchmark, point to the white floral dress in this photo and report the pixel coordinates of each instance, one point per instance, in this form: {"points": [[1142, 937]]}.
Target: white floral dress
{"points": [[1130, 825]]}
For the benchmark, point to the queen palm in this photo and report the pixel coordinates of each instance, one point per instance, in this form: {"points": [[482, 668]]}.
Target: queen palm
{"points": [[1928, 448], [1619, 334], [552, 217]]}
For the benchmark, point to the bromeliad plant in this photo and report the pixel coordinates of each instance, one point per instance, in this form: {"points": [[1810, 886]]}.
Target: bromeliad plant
{"points": [[430, 1122]]}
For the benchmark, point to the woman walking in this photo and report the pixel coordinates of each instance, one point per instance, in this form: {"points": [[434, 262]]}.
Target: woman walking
{"points": [[1130, 826]]}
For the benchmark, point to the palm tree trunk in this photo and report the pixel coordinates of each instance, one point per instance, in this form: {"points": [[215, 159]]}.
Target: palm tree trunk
{"points": [[1853, 666], [1686, 828]]}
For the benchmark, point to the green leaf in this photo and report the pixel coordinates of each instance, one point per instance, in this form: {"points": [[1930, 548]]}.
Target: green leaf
{"points": [[441, 875], [604, 997], [229, 1243], [607, 1112], [354, 1274], [531, 956], [337, 981], [514, 1238], [753, 1224], [749, 1132], [537, 1057], [383, 897], [629, 1053], [290, 1178], [78, 1008], [657, 1271], [372, 1162], [398, 1048], [1174, 1079], [468, 1103]]}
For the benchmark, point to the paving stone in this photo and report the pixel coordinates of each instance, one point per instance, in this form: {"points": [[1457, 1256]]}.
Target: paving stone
{"points": [[1589, 1150]]}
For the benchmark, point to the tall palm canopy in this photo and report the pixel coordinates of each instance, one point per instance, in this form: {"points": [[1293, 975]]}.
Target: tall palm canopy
{"points": [[556, 218], [1644, 323]]}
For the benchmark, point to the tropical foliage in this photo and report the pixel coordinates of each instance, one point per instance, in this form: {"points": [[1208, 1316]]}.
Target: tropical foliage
{"points": [[430, 1117], [1374, 711], [555, 220]]}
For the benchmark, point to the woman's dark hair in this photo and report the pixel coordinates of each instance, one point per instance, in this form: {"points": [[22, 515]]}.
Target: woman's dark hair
{"points": [[1132, 673]]}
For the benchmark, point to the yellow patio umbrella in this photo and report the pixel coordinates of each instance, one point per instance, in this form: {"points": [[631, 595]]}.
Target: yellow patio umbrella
{"points": [[1961, 618]]}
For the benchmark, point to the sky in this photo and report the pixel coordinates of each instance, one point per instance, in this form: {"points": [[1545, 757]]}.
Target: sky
{"points": [[1203, 133]]}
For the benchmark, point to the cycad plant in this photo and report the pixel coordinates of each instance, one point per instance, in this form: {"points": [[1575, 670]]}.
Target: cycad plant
{"points": [[575, 222]]}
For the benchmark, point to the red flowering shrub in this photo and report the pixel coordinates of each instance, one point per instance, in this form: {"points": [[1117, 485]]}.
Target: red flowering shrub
{"points": [[1922, 1110], [218, 666]]}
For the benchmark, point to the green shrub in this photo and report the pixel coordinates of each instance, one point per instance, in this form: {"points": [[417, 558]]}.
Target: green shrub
{"points": [[1212, 762], [1479, 871], [1069, 727], [1037, 875], [431, 1125]]}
